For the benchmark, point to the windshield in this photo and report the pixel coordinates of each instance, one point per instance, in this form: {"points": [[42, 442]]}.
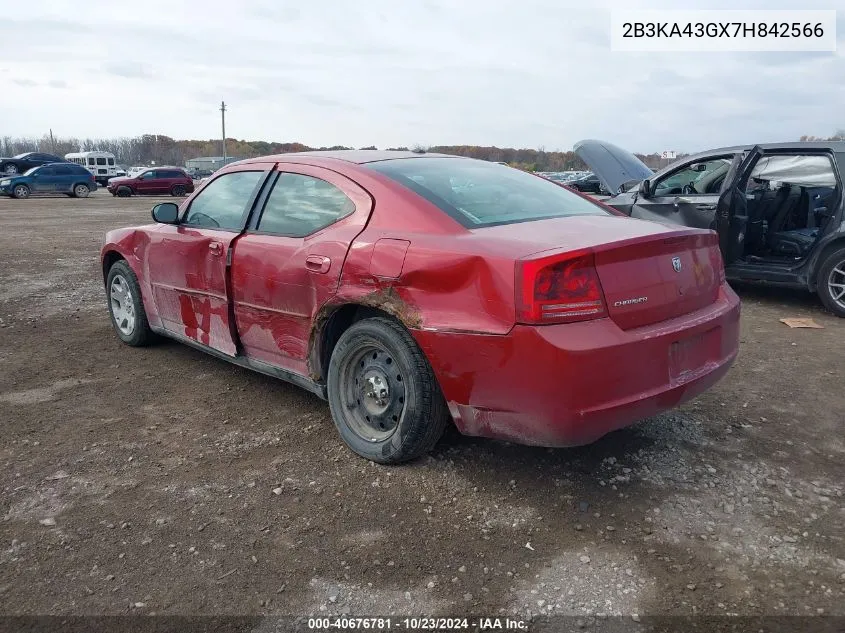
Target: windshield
{"points": [[24, 155], [478, 194], [31, 170]]}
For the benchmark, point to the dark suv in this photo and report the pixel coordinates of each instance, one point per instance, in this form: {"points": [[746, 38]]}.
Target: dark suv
{"points": [[153, 181]]}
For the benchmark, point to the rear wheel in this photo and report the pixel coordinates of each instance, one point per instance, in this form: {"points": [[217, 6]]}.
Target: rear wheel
{"points": [[126, 307], [831, 282], [21, 192], [178, 190], [81, 191], [124, 192], [384, 398]]}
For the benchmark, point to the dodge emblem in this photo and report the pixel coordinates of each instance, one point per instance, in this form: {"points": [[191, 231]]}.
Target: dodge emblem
{"points": [[676, 264]]}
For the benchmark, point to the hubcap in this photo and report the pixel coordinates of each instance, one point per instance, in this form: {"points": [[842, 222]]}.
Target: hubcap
{"points": [[81, 190], [11, 169], [122, 305], [836, 284], [373, 396], [21, 191]]}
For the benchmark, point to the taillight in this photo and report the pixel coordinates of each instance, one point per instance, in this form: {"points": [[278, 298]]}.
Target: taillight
{"points": [[558, 289]]}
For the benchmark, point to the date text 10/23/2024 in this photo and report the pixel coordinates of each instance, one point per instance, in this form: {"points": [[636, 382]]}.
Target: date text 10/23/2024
{"points": [[416, 624]]}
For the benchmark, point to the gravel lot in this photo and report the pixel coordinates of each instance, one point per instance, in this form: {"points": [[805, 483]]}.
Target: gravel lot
{"points": [[162, 480]]}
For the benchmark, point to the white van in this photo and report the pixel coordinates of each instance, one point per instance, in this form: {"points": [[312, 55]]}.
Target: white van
{"points": [[101, 164]]}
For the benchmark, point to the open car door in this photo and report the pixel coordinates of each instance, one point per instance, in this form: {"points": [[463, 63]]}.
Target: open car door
{"points": [[732, 208]]}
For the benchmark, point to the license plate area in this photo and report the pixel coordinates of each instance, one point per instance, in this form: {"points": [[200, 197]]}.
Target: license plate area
{"points": [[693, 356]]}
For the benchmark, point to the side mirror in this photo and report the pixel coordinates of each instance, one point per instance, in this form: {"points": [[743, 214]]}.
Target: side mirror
{"points": [[166, 213], [645, 188]]}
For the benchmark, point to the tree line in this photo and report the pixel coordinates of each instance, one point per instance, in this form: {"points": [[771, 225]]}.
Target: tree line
{"points": [[162, 150]]}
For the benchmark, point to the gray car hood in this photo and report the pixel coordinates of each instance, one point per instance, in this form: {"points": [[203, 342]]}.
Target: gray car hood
{"points": [[613, 165]]}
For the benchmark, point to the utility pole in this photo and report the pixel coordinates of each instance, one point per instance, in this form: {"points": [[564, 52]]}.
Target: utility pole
{"points": [[52, 142], [223, 121]]}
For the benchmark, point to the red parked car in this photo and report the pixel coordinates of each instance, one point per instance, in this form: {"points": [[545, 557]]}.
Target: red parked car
{"points": [[155, 181], [410, 290]]}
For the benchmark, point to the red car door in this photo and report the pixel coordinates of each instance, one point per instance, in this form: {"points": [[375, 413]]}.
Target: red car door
{"points": [[145, 183], [187, 262], [288, 262]]}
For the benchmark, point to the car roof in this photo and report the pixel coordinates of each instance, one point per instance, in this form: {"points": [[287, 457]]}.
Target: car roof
{"points": [[835, 146], [354, 156]]}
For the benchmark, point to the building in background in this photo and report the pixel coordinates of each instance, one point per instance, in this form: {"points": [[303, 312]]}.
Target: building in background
{"points": [[208, 163]]}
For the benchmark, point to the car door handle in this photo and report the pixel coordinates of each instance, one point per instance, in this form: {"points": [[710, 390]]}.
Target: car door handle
{"points": [[706, 207], [216, 248], [318, 263]]}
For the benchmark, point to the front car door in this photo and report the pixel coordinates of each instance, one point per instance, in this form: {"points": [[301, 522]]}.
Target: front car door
{"points": [[732, 206], [146, 182], [288, 263], [188, 262], [44, 180], [688, 195]]}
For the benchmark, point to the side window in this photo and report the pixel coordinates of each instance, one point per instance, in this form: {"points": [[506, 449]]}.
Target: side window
{"points": [[101, 161], [47, 171], [61, 170], [111, 161], [699, 178], [91, 161], [300, 205], [222, 203]]}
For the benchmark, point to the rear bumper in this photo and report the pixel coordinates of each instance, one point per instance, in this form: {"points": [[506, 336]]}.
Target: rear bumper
{"points": [[567, 385]]}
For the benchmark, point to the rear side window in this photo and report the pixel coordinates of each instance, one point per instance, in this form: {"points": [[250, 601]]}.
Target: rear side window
{"points": [[300, 205], [479, 194], [62, 170], [221, 204], [111, 161]]}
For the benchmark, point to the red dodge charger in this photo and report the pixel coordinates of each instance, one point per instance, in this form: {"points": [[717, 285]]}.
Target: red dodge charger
{"points": [[412, 289]]}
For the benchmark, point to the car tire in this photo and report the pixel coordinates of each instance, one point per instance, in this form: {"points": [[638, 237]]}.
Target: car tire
{"points": [[178, 191], [21, 192], [830, 283], [124, 192], [383, 395], [9, 169], [81, 191], [126, 307]]}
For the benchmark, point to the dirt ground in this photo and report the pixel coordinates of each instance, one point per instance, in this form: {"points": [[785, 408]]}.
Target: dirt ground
{"points": [[162, 480]]}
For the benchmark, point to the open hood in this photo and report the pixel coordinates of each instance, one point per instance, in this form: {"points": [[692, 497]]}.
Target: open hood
{"points": [[613, 165]]}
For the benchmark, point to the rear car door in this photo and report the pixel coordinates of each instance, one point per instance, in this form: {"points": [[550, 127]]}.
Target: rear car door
{"points": [[188, 262], [64, 178], [289, 261], [732, 206]]}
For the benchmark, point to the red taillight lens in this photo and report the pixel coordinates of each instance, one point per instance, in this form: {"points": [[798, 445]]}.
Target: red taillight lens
{"points": [[558, 289]]}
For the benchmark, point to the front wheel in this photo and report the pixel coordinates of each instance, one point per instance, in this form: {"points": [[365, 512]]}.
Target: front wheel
{"points": [[384, 398], [81, 191], [126, 307], [831, 282], [21, 191], [10, 169], [124, 192]]}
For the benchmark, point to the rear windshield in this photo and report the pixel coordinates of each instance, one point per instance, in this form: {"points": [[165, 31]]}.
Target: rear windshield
{"points": [[479, 194]]}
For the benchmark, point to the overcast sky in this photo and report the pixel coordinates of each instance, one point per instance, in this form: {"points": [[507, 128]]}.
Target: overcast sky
{"points": [[522, 73]]}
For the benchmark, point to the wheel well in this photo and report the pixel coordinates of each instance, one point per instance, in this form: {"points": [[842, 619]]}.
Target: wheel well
{"points": [[835, 245], [340, 320], [109, 260]]}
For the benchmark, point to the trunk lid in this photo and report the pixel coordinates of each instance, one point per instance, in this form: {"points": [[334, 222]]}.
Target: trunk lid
{"points": [[660, 277], [613, 165]]}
